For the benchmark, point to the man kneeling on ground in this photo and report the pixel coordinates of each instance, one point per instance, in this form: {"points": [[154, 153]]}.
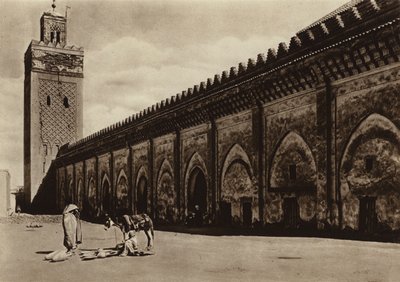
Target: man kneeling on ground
{"points": [[131, 244]]}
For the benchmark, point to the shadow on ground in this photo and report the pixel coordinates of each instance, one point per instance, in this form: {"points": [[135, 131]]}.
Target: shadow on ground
{"points": [[393, 237]]}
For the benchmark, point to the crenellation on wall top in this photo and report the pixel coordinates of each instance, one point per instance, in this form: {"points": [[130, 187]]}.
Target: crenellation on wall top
{"points": [[300, 47], [242, 67], [224, 76], [282, 50], [217, 80], [260, 60], [251, 64], [271, 55]]}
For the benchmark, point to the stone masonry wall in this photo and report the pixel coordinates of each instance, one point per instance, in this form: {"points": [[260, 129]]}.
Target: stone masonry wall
{"points": [[368, 126]]}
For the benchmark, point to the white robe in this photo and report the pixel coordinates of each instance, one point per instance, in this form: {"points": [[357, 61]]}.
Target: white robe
{"points": [[72, 228]]}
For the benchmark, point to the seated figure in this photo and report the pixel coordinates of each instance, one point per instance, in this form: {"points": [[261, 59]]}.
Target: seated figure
{"points": [[131, 244]]}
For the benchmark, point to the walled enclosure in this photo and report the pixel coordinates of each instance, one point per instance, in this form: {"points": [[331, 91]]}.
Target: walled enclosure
{"points": [[307, 137]]}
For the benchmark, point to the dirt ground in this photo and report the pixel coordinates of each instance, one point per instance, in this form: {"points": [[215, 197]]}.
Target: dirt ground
{"points": [[186, 257]]}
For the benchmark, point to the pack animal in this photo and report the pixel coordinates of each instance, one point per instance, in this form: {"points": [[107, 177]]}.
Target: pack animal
{"points": [[137, 222]]}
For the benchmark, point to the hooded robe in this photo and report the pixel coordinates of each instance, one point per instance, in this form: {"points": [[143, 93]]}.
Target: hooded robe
{"points": [[71, 226]]}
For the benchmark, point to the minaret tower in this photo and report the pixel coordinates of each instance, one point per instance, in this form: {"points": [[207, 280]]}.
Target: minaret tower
{"points": [[52, 98]]}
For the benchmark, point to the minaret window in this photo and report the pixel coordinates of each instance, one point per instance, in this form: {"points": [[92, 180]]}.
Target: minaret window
{"points": [[58, 37], [51, 36], [66, 103], [48, 101]]}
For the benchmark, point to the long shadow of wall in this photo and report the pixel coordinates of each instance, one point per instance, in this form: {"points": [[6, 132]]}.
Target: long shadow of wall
{"points": [[45, 200]]}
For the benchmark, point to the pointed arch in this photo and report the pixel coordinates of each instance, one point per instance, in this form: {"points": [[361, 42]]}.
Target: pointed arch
{"points": [[141, 190], [239, 191], [165, 167], [373, 125], [79, 194], [105, 193], [196, 186], [91, 195], [292, 164], [166, 194], [375, 139], [236, 153], [142, 172], [122, 192], [370, 171], [195, 161]]}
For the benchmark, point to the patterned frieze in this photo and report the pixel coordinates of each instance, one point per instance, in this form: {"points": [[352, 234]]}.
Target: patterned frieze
{"points": [[56, 60]]}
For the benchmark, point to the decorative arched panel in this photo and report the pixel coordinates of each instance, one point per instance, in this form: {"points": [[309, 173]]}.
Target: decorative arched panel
{"points": [[91, 196], [239, 190], [122, 193], [142, 195], [79, 194], [293, 164], [142, 172], [166, 194], [370, 167], [105, 194], [371, 160]]}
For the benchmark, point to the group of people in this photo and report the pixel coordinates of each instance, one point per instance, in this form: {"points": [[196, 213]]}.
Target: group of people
{"points": [[73, 232]]}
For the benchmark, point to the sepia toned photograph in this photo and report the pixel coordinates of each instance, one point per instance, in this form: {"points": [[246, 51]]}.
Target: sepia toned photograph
{"points": [[200, 140]]}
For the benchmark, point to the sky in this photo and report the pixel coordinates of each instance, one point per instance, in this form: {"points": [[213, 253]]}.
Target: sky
{"points": [[138, 53]]}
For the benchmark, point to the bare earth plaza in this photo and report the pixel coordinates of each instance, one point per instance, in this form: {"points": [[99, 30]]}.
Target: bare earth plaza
{"points": [[285, 167]]}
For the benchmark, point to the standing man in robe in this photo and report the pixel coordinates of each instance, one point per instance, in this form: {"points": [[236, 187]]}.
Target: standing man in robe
{"points": [[72, 228]]}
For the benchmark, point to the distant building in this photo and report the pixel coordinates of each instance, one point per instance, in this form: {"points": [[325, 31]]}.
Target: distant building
{"points": [[4, 192], [18, 203]]}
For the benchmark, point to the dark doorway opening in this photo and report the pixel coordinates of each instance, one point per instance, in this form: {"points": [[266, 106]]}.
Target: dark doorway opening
{"points": [[291, 213], [197, 191], [226, 214], [367, 215], [142, 195], [247, 214], [106, 197]]}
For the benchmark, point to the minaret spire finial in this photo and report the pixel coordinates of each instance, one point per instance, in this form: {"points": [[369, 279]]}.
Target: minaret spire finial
{"points": [[54, 5]]}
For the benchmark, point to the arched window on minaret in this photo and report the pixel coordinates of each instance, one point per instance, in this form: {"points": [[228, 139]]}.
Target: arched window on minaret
{"points": [[58, 36], [48, 100], [66, 103]]}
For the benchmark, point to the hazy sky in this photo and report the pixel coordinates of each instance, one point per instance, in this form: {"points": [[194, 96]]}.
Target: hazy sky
{"points": [[140, 52]]}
